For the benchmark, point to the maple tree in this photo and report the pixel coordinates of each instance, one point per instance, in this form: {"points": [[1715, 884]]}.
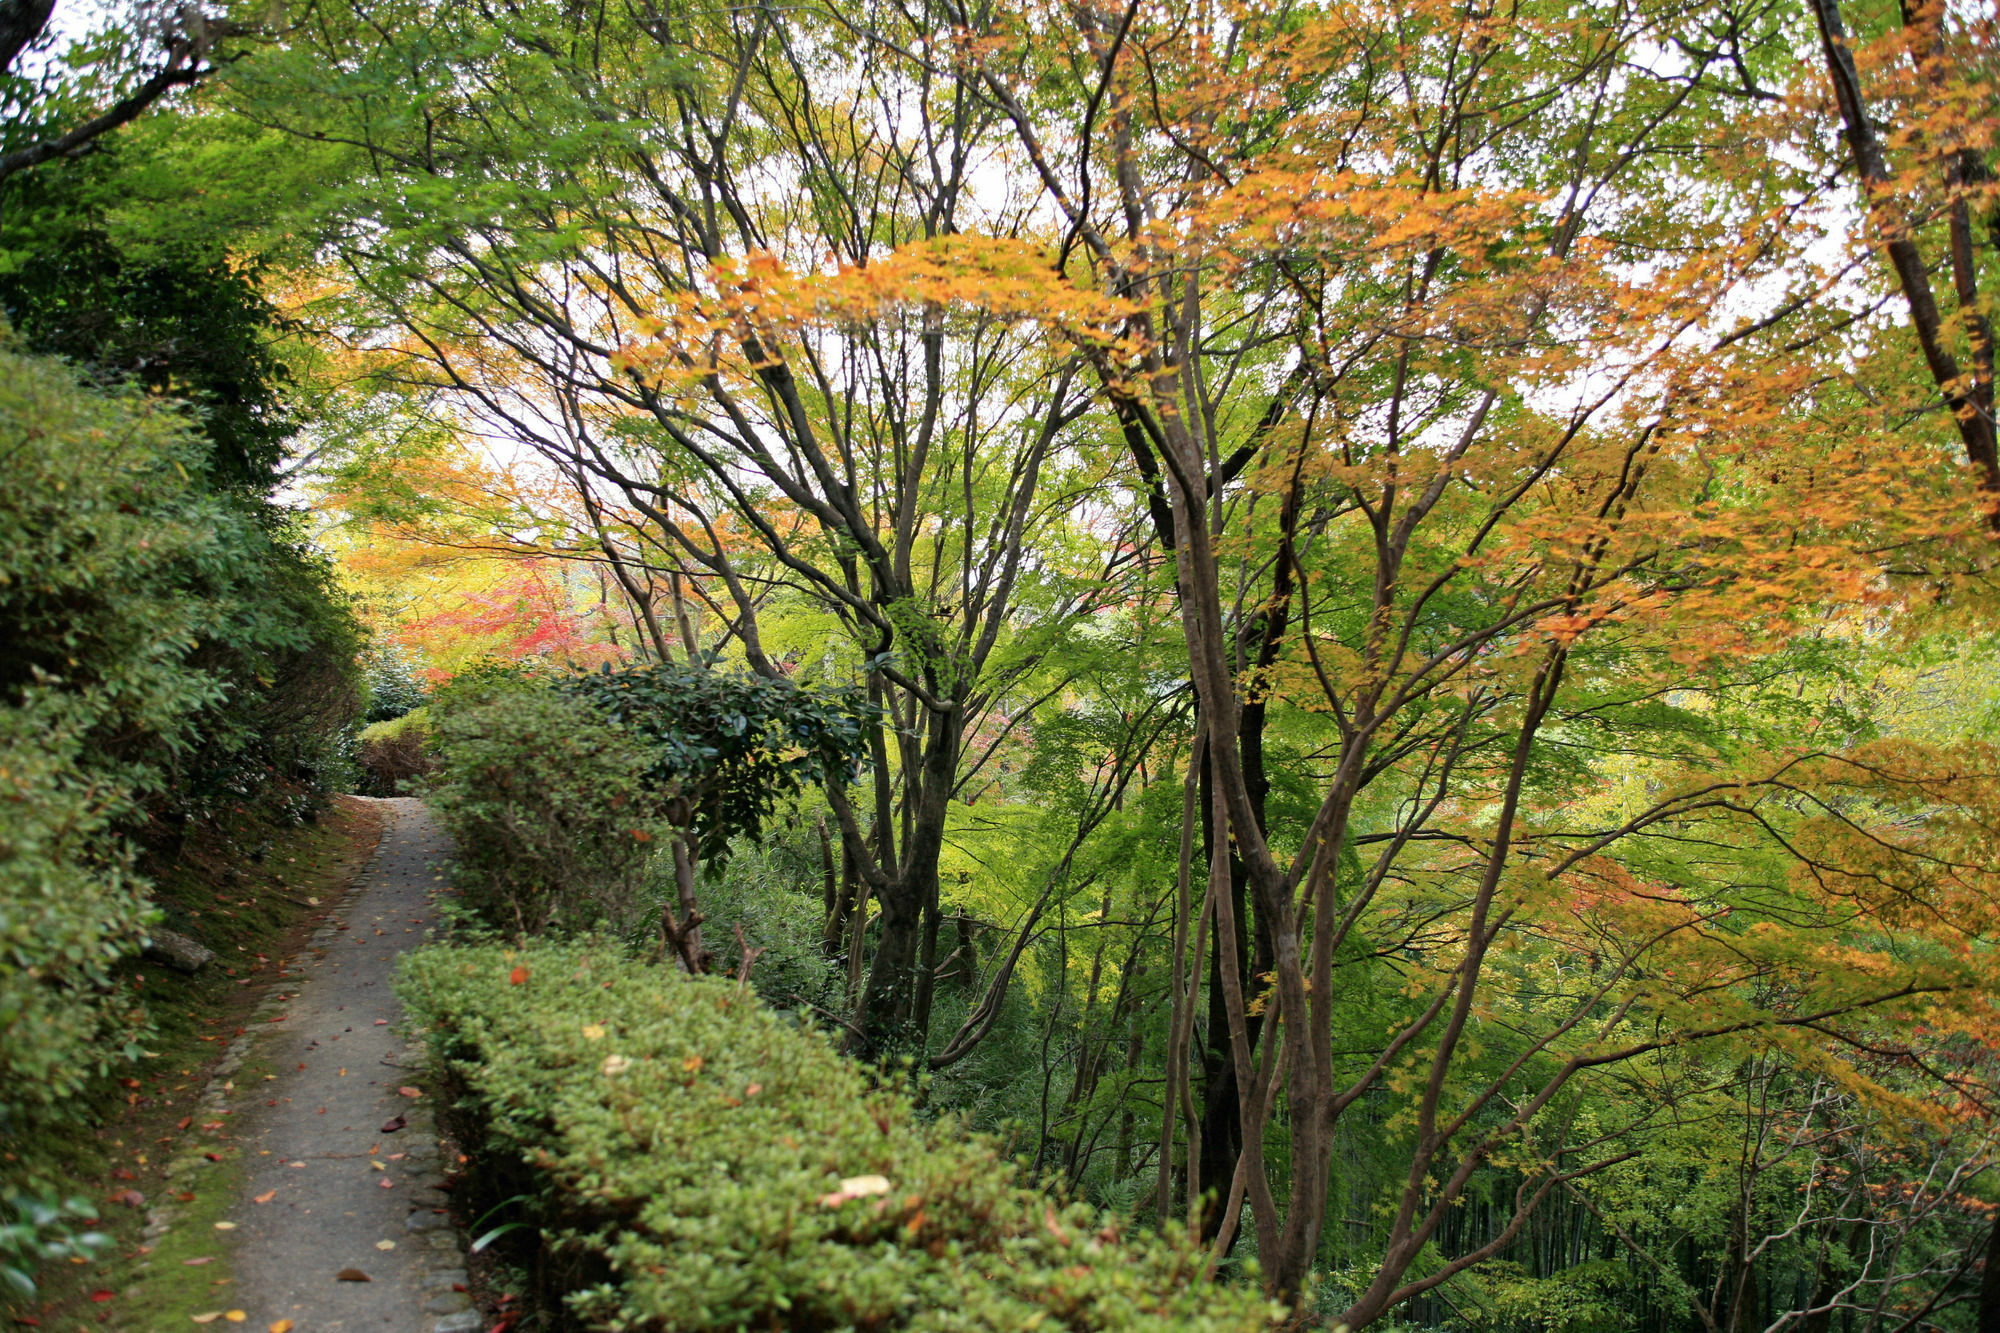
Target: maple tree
{"points": [[1533, 475], [891, 477]]}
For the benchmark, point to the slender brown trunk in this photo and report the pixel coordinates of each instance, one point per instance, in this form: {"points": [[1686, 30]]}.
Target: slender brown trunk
{"points": [[887, 1013], [857, 933], [1177, 1098], [689, 640], [684, 934], [1222, 1120], [836, 895], [927, 961]]}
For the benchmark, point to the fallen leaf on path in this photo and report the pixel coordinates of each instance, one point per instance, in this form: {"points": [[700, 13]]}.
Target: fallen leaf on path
{"points": [[197, 1263], [282, 1326], [267, 1196], [411, 1092], [351, 1275], [184, 1122], [234, 1316], [392, 1126], [130, 1198], [386, 1183], [225, 1226], [381, 1022], [295, 1164], [385, 1244], [208, 1318]]}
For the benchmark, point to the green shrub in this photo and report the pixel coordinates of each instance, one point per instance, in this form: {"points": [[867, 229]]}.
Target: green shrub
{"points": [[547, 805], [280, 739], [113, 566], [718, 1168], [70, 908], [105, 551], [395, 755], [730, 748], [166, 652], [394, 687], [202, 650]]}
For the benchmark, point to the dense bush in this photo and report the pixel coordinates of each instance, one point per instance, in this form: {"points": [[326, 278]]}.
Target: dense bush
{"points": [[280, 738], [113, 566], [100, 537], [729, 1170], [164, 653], [730, 747], [395, 755], [205, 654], [70, 907], [547, 803]]}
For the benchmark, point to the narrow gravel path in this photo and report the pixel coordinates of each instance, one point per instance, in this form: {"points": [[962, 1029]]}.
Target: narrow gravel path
{"points": [[334, 1188]]}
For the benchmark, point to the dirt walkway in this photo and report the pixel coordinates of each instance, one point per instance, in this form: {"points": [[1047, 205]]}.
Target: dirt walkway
{"points": [[336, 1189]]}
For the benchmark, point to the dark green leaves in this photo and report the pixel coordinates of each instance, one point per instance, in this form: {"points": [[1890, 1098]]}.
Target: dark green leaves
{"points": [[734, 746]]}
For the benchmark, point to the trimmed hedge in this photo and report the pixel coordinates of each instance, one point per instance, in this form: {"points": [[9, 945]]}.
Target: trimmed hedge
{"points": [[730, 1170], [395, 755]]}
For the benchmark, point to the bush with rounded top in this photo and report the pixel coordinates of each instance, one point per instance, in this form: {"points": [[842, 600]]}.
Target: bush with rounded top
{"points": [[547, 804]]}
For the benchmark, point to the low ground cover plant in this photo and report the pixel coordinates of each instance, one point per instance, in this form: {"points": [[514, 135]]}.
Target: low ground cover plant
{"points": [[699, 1161]]}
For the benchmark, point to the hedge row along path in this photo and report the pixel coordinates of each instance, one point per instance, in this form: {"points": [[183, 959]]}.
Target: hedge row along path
{"points": [[342, 1225]]}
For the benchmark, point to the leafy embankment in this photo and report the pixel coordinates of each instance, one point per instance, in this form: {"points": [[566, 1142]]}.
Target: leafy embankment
{"points": [[695, 1160], [173, 661]]}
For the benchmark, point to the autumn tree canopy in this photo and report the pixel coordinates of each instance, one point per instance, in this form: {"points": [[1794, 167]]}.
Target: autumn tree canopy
{"points": [[1415, 581]]}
